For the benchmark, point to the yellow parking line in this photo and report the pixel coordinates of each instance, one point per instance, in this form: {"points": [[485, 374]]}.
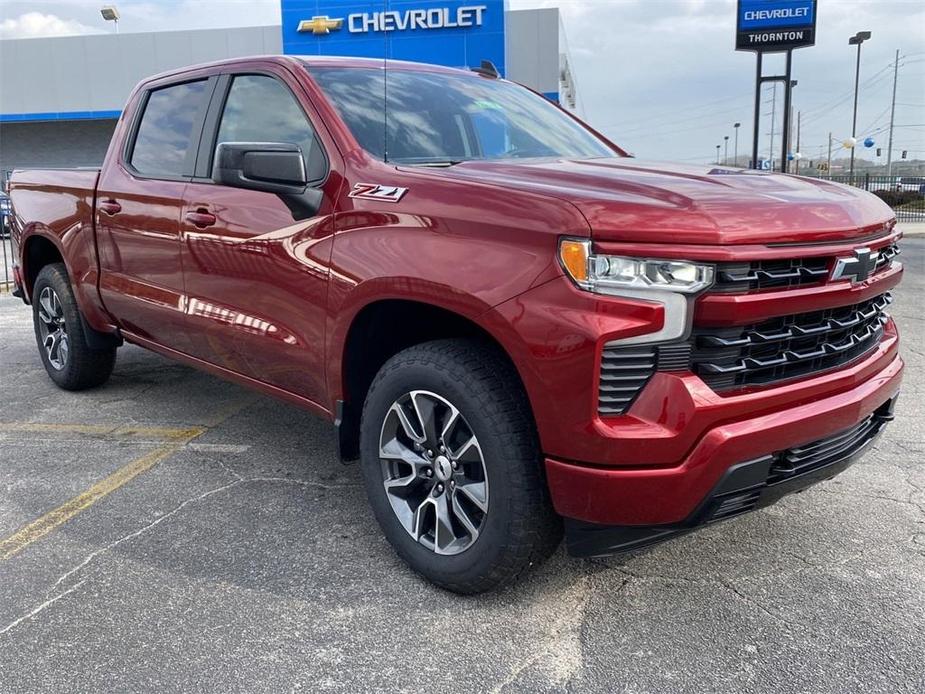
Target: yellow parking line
{"points": [[124, 431], [175, 440]]}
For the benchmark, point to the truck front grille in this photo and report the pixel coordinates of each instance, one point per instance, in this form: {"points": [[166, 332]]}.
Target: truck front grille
{"points": [[786, 273], [789, 346]]}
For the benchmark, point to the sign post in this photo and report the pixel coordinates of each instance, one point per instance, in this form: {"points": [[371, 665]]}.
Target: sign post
{"points": [[774, 26]]}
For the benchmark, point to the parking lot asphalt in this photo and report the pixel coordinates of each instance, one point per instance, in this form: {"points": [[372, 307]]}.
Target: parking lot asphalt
{"points": [[206, 539]]}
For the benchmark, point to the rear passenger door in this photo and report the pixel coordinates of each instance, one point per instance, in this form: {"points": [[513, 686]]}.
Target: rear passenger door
{"points": [[257, 271], [139, 202]]}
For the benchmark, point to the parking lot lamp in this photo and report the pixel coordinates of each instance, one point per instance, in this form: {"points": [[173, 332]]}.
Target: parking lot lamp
{"points": [[110, 14], [735, 149], [856, 40]]}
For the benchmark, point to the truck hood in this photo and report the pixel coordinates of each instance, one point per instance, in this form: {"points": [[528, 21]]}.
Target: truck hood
{"points": [[630, 200]]}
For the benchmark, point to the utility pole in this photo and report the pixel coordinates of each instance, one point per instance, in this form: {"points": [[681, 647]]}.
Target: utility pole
{"points": [[773, 114], [787, 134], [830, 154], [735, 155], [790, 133], [889, 147], [796, 159]]}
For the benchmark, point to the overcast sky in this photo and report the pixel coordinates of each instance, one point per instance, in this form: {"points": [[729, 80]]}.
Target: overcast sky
{"points": [[660, 77]]}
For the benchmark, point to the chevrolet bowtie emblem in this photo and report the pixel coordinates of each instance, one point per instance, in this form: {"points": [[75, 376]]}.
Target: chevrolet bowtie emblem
{"points": [[320, 25], [858, 268]]}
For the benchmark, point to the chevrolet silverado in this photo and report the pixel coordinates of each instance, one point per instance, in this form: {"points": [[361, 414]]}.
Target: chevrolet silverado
{"points": [[519, 331]]}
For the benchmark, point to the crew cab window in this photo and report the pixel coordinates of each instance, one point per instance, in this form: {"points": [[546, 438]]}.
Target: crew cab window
{"points": [[262, 109], [165, 143]]}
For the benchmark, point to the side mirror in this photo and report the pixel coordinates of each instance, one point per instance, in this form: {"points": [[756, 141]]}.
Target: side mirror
{"points": [[270, 167]]}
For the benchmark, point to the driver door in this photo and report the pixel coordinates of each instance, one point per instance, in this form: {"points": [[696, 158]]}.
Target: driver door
{"points": [[256, 271]]}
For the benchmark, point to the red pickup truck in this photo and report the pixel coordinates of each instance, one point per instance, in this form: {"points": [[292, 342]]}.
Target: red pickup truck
{"points": [[516, 328]]}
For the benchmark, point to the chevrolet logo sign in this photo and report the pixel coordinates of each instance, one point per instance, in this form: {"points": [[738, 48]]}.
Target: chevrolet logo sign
{"points": [[320, 25], [858, 268]]}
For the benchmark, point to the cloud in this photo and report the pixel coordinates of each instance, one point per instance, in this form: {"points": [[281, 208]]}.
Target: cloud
{"points": [[37, 24]]}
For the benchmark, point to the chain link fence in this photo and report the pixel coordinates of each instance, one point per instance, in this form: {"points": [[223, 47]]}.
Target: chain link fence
{"points": [[6, 241]]}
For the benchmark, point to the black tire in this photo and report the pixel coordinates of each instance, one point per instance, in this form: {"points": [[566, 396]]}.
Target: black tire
{"points": [[519, 528], [81, 367]]}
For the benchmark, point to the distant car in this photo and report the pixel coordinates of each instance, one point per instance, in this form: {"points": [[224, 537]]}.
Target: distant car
{"points": [[5, 208], [912, 183]]}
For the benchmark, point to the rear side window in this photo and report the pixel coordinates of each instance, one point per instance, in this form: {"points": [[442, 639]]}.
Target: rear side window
{"points": [[165, 144], [262, 109]]}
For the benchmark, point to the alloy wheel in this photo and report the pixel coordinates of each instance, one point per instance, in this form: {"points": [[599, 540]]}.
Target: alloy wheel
{"points": [[434, 472], [53, 328]]}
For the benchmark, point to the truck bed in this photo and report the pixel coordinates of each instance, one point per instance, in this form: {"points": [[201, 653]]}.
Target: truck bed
{"points": [[59, 205]]}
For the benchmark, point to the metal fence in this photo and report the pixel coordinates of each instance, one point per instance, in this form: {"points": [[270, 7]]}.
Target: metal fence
{"points": [[6, 249], [905, 194], [6, 242]]}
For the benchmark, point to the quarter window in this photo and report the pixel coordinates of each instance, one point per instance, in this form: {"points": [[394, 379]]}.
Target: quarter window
{"points": [[165, 143], [261, 109]]}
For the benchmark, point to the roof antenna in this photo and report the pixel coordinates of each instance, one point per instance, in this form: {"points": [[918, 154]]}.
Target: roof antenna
{"points": [[487, 69]]}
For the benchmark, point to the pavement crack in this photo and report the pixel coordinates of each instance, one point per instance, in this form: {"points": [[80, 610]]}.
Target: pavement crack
{"points": [[561, 654], [879, 497], [301, 482], [761, 608], [157, 521], [170, 514], [231, 472], [40, 608]]}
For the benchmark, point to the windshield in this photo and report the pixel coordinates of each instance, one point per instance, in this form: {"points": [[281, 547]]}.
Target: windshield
{"points": [[445, 118]]}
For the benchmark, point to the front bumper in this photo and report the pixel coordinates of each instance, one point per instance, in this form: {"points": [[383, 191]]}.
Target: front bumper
{"points": [[743, 487], [670, 495]]}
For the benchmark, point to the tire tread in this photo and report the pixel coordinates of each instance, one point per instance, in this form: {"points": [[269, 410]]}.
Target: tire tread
{"points": [[535, 530]]}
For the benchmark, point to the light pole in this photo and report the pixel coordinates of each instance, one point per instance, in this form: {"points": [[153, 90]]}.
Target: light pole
{"points": [[717, 154], [110, 14], [735, 149], [725, 150], [793, 83], [856, 40]]}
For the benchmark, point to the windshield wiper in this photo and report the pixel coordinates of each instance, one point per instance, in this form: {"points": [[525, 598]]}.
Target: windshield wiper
{"points": [[426, 162]]}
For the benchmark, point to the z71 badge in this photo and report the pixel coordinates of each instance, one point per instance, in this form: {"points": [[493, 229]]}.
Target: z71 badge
{"points": [[374, 191]]}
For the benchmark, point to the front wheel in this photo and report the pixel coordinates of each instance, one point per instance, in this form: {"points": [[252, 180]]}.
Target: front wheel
{"points": [[452, 466]]}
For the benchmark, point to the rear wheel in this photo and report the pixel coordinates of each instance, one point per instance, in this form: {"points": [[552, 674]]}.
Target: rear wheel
{"points": [[59, 333], [452, 466]]}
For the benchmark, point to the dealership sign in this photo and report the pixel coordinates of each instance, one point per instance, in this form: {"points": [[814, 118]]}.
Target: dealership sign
{"points": [[395, 20], [456, 33], [775, 25]]}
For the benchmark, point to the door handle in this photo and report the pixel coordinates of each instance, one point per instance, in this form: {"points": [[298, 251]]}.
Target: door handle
{"points": [[110, 207], [200, 219]]}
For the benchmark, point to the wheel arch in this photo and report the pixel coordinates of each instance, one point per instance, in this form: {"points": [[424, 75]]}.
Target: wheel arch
{"points": [[377, 332], [39, 250]]}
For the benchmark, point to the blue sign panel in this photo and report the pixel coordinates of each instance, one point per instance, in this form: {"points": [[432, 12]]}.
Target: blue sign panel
{"points": [[775, 25], [456, 33]]}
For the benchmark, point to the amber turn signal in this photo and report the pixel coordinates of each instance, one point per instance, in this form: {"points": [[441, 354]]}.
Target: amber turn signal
{"points": [[573, 254]]}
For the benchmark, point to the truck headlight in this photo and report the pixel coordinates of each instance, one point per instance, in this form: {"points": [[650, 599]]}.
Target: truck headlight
{"points": [[672, 283], [612, 274]]}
